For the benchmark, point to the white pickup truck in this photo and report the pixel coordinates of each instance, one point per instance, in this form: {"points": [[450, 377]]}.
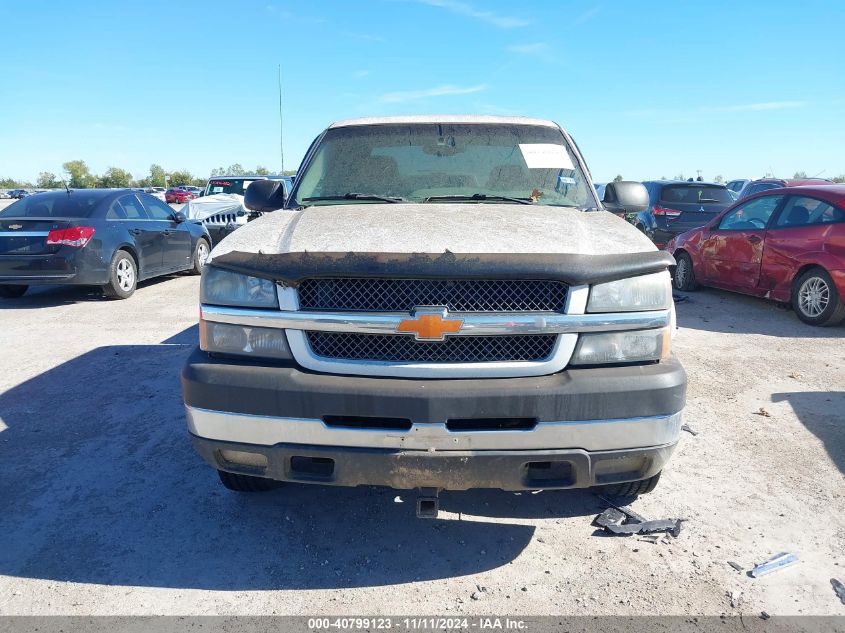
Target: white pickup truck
{"points": [[440, 303]]}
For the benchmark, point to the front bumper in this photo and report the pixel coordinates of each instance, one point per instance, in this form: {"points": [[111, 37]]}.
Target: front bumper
{"points": [[589, 426], [449, 470]]}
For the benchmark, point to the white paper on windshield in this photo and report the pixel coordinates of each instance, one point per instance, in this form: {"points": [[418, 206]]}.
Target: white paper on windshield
{"points": [[545, 156]]}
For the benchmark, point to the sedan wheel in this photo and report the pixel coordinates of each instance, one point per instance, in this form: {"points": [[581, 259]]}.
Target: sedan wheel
{"points": [[683, 276], [200, 256], [813, 297], [816, 300], [123, 276]]}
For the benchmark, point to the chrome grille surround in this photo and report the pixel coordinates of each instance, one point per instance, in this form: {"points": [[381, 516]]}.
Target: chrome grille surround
{"points": [[454, 349], [341, 294]]}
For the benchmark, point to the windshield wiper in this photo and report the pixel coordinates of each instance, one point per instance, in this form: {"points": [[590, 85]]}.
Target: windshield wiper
{"points": [[483, 197], [355, 196]]}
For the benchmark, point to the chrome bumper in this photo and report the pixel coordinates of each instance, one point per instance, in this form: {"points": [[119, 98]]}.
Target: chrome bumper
{"points": [[588, 435]]}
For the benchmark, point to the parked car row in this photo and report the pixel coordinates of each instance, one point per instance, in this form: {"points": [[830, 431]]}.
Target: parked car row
{"points": [[111, 238]]}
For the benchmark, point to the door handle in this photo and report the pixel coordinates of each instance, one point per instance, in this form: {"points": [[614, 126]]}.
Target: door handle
{"points": [[135, 231], [755, 239], [168, 233]]}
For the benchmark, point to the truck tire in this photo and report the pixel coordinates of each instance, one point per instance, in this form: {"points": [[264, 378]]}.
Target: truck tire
{"points": [[123, 276], [629, 488], [12, 292], [247, 483], [683, 277], [816, 300]]}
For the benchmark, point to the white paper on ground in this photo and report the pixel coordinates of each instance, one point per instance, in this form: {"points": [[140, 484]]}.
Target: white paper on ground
{"points": [[545, 156]]}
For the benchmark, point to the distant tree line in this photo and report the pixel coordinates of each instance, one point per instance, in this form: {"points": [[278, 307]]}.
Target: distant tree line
{"points": [[77, 175]]}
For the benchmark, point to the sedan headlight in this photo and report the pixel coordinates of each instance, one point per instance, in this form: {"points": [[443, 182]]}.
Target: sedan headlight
{"points": [[647, 292], [637, 346], [225, 288]]}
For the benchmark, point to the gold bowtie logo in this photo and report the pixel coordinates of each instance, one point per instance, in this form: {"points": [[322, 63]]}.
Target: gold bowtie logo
{"points": [[430, 324]]}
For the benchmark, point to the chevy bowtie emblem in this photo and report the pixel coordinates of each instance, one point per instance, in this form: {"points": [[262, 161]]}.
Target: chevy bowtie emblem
{"points": [[15, 227], [430, 324]]}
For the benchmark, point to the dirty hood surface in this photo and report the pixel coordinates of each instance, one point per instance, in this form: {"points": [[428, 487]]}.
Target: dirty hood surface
{"points": [[437, 228]]}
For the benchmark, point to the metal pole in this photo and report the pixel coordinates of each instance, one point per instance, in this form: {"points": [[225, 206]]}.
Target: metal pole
{"points": [[281, 143]]}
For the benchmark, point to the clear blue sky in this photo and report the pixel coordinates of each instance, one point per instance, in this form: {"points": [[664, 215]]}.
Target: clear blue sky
{"points": [[648, 89]]}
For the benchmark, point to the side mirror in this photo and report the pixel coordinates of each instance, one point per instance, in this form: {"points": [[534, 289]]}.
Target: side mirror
{"points": [[179, 217], [264, 195], [625, 197]]}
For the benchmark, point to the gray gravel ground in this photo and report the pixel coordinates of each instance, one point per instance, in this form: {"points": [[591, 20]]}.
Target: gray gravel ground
{"points": [[107, 510]]}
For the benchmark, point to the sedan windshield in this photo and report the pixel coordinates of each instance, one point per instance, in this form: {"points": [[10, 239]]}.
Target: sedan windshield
{"points": [[455, 163]]}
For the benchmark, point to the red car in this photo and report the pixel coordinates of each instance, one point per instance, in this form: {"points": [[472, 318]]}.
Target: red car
{"points": [[785, 244], [178, 196]]}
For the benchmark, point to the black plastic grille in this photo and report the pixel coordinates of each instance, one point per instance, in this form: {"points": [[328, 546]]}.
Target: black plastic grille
{"points": [[458, 295], [454, 349]]}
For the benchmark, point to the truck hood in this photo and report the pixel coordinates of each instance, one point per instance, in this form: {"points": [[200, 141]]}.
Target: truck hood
{"points": [[437, 228]]}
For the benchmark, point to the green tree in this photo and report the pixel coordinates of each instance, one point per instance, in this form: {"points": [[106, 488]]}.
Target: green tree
{"points": [[156, 175], [114, 177], [46, 180], [618, 178], [679, 177], [8, 183], [79, 177], [800, 174], [179, 178], [720, 179], [840, 178]]}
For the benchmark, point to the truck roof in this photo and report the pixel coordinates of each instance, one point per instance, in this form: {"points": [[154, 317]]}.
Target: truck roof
{"points": [[445, 118]]}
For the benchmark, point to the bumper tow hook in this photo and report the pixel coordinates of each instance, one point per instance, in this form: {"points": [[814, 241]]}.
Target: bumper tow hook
{"points": [[428, 503]]}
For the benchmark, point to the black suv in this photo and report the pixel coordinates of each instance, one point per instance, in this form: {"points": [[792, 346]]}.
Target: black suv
{"points": [[675, 206]]}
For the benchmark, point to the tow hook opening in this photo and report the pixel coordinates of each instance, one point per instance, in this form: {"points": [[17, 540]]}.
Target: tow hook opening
{"points": [[428, 503]]}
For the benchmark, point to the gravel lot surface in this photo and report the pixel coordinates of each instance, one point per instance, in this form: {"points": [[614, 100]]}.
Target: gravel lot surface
{"points": [[107, 510]]}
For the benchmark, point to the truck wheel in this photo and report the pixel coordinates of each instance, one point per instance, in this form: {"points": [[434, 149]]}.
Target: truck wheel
{"points": [[683, 278], [200, 255], [12, 292], [816, 300], [247, 483], [630, 488], [123, 276]]}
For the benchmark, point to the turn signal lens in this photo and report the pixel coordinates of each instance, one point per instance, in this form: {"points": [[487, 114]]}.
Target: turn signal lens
{"points": [[224, 338], [607, 348]]}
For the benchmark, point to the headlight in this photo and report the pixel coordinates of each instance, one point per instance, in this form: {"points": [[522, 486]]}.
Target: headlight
{"points": [[225, 288], [224, 338], [622, 347], [647, 292]]}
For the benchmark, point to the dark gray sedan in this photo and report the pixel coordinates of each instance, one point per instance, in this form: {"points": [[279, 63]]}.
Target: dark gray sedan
{"points": [[95, 237]]}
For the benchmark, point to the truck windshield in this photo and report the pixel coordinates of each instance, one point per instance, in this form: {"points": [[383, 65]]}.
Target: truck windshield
{"points": [[227, 185], [455, 163]]}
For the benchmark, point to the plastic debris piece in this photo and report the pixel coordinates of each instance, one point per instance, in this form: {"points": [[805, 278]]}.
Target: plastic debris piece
{"points": [[626, 509], [672, 526], [736, 566], [839, 588], [762, 412], [611, 516], [778, 561], [689, 429]]}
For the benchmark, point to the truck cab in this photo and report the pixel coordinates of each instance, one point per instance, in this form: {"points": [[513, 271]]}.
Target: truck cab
{"points": [[445, 304]]}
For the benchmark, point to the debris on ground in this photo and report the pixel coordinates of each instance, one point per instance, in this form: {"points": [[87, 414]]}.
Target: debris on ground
{"points": [[679, 298], [764, 615], [763, 412], [778, 561], [839, 588], [614, 518], [736, 566], [795, 375], [689, 429]]}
